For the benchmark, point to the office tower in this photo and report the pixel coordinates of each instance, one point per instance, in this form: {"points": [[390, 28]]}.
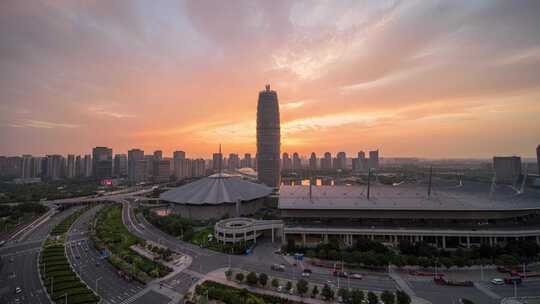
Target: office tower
{"points": [[233, 162], [87, 165], [120, 165], [268, 138], [326, 161], [161, 170], [373, 159], [158, 155], [102, 162], [199, 167], [134, 155], [296, 162], [27, 166], [70, 168], [286, 162], [507, 169], [246, 162], [538, 158], [217, 161], [340, 162], [179, 155]]}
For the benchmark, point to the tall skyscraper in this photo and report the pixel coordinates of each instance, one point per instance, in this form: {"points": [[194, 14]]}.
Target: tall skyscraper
{"points": [[268, 138], [120, 165], [158, 155], [135, 155], [217, 162], [313, 161], [102, 162]]}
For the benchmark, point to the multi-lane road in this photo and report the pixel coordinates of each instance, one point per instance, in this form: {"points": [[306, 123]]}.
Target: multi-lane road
{"points": [[96, 272], [19, 267]]}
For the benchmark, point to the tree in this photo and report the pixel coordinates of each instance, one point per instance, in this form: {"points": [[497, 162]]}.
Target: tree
{"points": [[302, 287], [251, 278], [314, 291], [288, 286], [239, 277], [263, 279], [275, 283], [372, 298], [402, 297], [357, 296], [327, 293], [387, 297], [344, 294]]}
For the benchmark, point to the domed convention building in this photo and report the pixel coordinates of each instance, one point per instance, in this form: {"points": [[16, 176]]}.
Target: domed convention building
{"points": [[216, 196]]}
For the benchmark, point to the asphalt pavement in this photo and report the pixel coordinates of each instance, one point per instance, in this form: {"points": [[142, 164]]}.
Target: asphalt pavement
{"points": [[19, 265], [95, 271]]}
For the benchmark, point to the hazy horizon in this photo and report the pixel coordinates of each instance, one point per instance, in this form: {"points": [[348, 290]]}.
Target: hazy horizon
{"points": [[427, 79]]}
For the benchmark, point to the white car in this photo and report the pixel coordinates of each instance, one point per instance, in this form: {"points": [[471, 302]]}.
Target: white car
{"points": [[497, 281], [356, 276], [18, 290]]}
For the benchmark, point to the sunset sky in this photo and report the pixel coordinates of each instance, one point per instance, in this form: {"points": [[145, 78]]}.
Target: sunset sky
{"points": [[412, 78]]}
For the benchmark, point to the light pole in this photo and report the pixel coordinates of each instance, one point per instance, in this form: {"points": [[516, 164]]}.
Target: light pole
{"points": [[515, 289], [65, 301]]}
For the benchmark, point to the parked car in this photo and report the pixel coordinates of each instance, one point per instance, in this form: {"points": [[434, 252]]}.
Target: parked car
{"points": [[497, 281], [356, 276]]}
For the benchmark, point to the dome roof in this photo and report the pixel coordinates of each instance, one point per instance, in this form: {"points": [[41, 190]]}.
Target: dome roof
{"points": [[216, 189]]}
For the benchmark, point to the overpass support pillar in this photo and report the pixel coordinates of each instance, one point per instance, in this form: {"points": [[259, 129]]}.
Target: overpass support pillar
{"points": [[491, 241], [444, 242], [304, 239], [325, 238], [272, 234], [468, 241]]}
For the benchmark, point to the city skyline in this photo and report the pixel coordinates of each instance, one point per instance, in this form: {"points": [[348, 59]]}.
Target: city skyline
{"points": [[172, 76]]}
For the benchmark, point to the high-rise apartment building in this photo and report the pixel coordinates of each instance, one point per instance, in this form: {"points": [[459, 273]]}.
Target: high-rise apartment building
{"points": [[373, 159], [326, 161], [120, 165], [233, 161], [162, 170], [268, 138], [286, 162], [55, 167], [27, 166], [70, 168], [134, 155], [313, 161], [87, 171], [296, 161], [199, 168], [102, 162], [179, 155], [158, 155], [360, 163], [246, 162], [340, 162]]}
